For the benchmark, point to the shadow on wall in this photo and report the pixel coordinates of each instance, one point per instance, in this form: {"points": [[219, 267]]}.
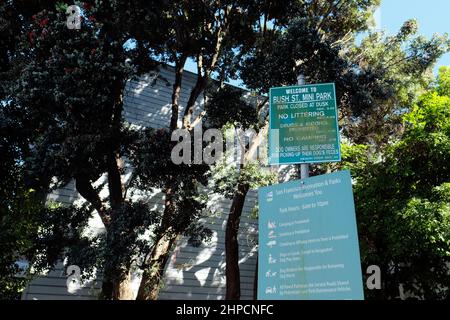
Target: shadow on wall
{"points": [[148, 99], [199, 272]]}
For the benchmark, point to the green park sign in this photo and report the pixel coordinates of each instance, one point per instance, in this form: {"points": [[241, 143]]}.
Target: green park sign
{"points": [[304, 125]]}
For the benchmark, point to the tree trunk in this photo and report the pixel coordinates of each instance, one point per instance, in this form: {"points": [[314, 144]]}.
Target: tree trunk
{"points": [[176, 91], [115, 181], [196, 91], [116, 281], [152, 276], [123, 290], [156, 263], [231, 243], [117, 289], [85, 189]]}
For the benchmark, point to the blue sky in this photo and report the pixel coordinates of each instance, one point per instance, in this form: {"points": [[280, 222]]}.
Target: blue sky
{"points": [[433, 17]]}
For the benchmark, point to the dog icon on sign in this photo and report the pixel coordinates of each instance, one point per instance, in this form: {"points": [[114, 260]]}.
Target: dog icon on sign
{"points": [[271, 225]]}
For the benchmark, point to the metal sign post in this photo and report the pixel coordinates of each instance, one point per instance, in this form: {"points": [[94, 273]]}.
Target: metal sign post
{"points": [[303, 169]]}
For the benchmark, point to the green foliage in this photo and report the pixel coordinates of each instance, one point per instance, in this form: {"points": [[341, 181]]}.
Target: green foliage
{"points": [[67, 81], [444, 81], [123, 244], [153, 169], [226, 177], [61, 117], [375, 80], [14, 239], [227, 106], [400, 69], [30, 230], [227, 110], [402, 202], [34, 233], [429, 115]]}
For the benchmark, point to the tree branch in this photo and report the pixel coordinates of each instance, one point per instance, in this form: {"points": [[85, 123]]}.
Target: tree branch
{"points": [[114, 181], [204, 71], [85, 189], [179, 68], [327, 14]]}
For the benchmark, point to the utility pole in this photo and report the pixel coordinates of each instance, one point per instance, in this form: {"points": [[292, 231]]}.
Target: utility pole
{"points": [[303, 169]]}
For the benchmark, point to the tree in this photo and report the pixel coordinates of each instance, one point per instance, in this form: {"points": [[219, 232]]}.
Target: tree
{"points": [[31, 229], [400, 65], [233, 178], [202, 31], [404, 225], [444, 81], [317, 40], [66, 88], [305, 38]]}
